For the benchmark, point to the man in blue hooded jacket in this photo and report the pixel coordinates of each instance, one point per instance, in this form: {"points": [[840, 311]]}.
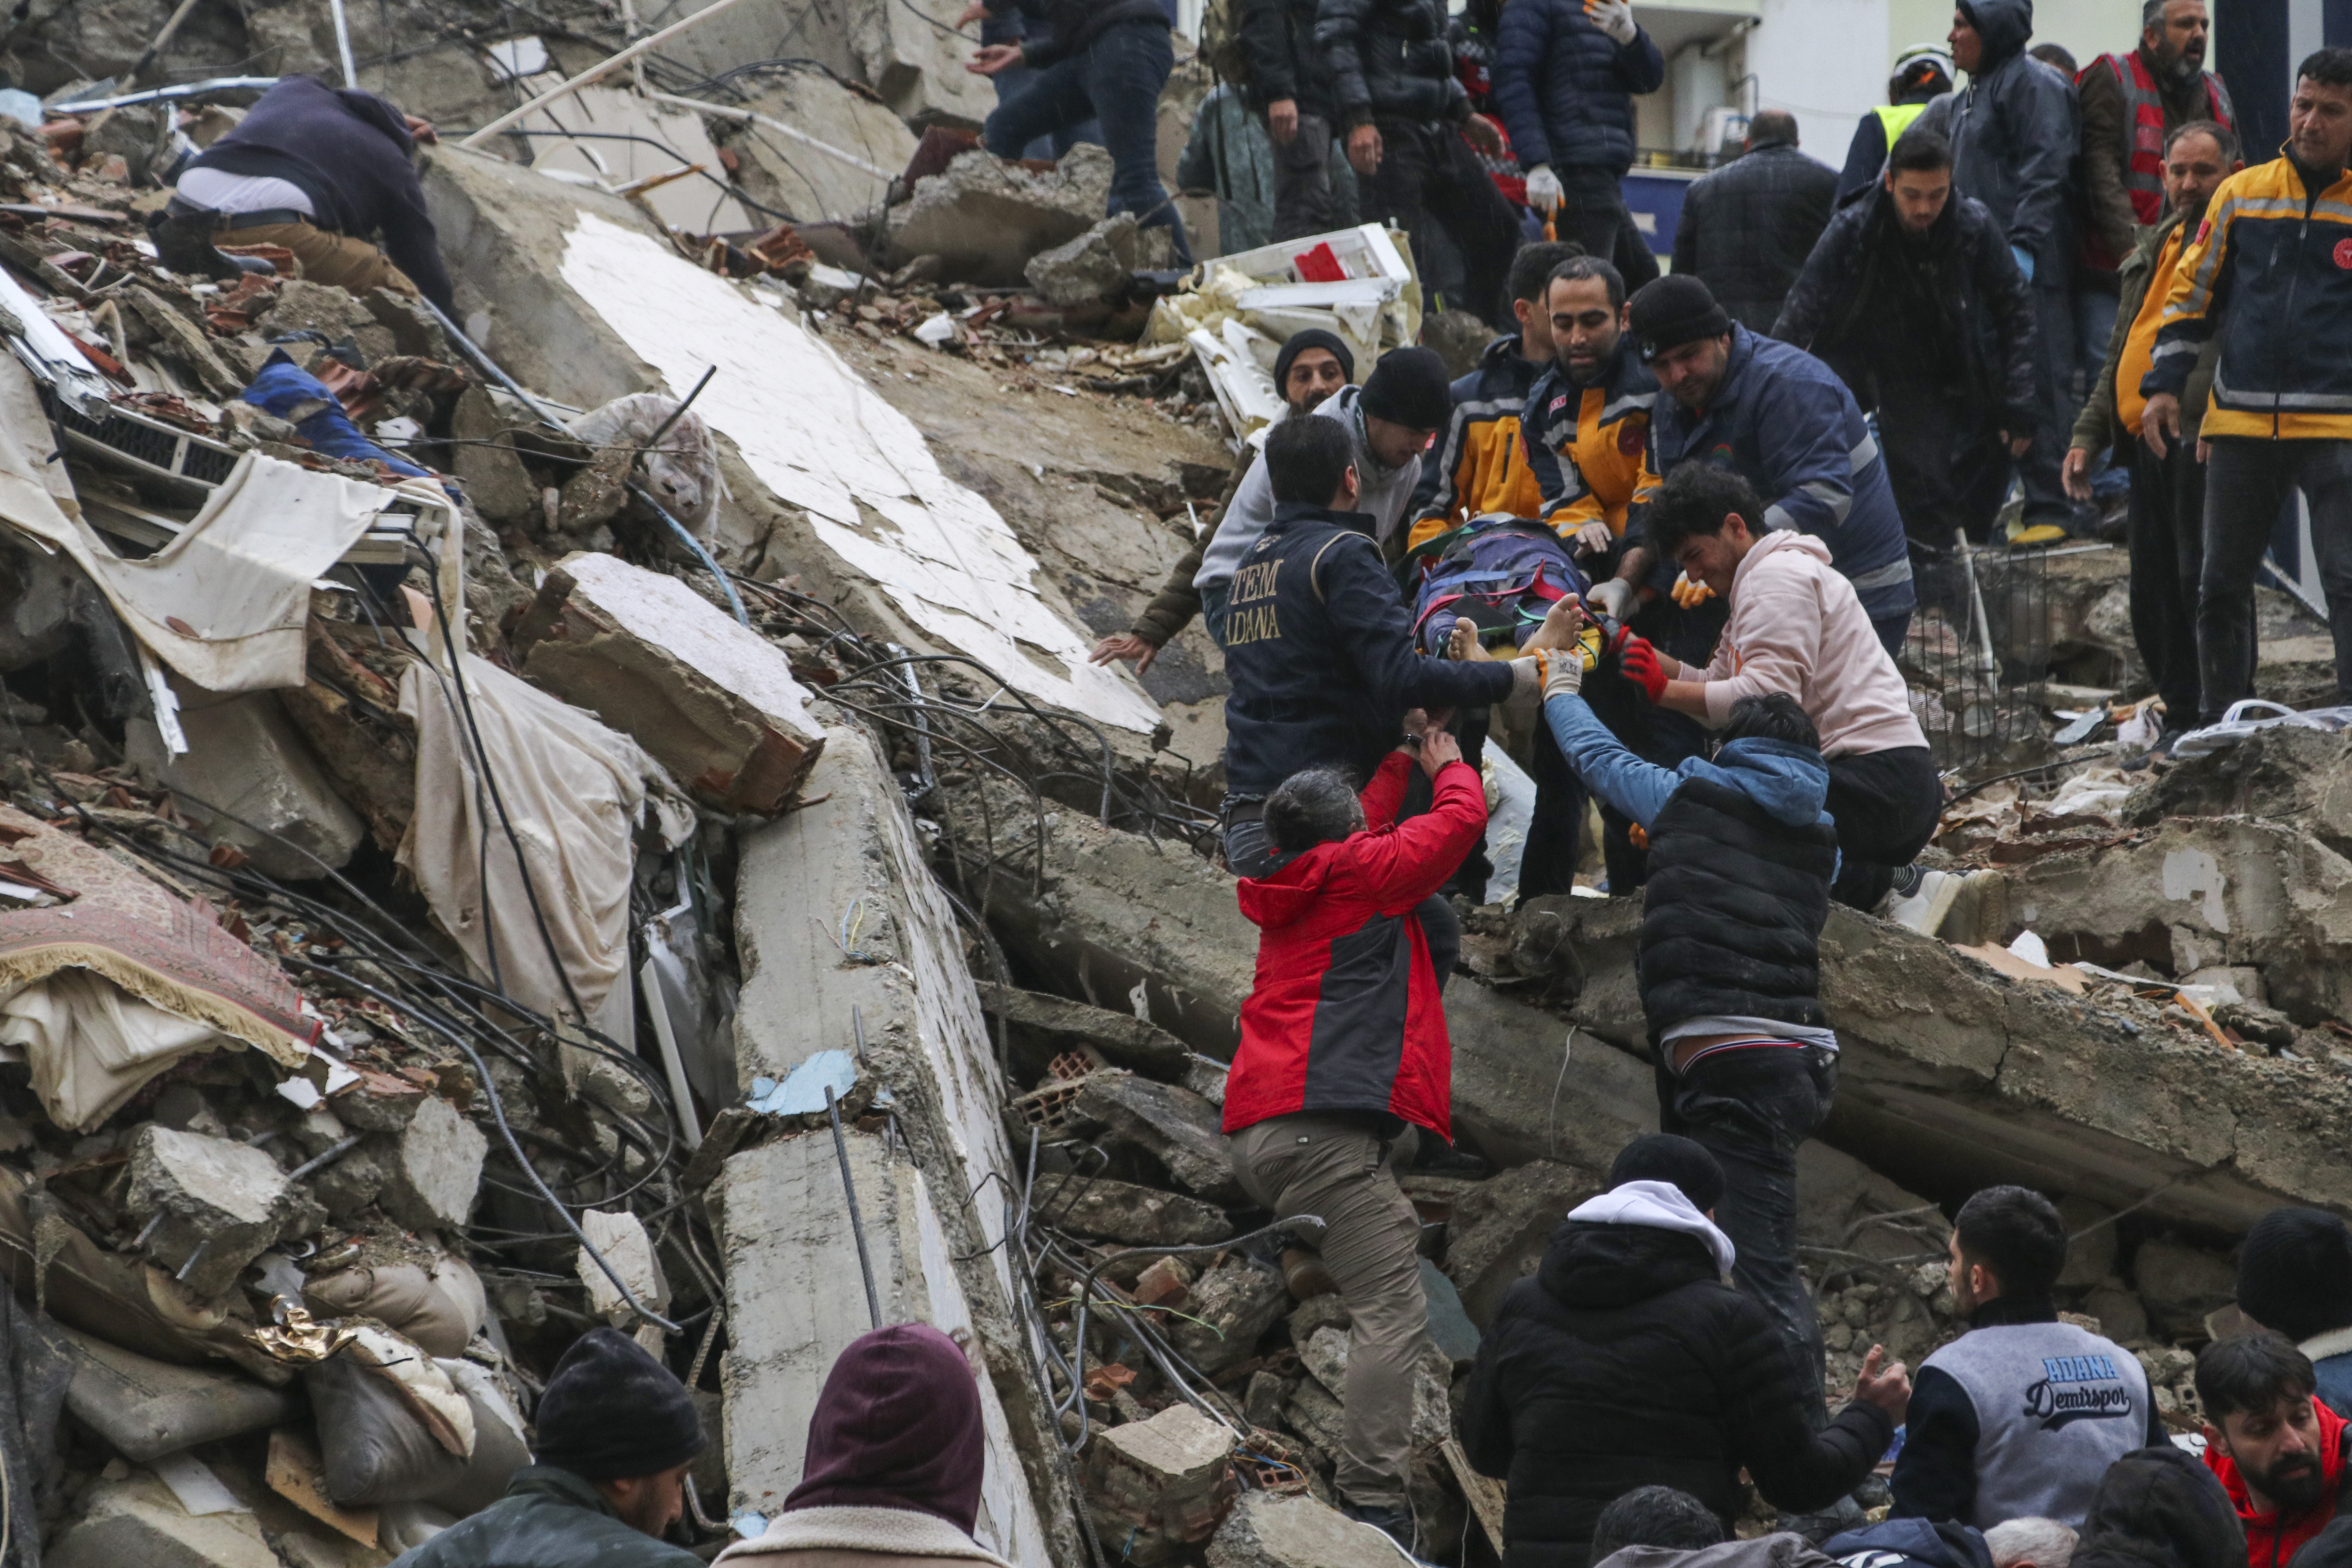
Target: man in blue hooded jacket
{"points": [[1741, 858]]}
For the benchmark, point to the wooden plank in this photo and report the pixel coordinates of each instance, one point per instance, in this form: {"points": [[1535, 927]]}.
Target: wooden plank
{"points": [[1484, 1493]]}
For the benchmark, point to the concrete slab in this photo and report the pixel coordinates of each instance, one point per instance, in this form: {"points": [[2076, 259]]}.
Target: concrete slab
{"points": [[796, 178], [796, 1299], [246, 760], [583, 136], [985, 218]]}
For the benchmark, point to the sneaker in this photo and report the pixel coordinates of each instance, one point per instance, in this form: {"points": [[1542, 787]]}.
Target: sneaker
{"points": [[1396, 1524], [1921, 899]]}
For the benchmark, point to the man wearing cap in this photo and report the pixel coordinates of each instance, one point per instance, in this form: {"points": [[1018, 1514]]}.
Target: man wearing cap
{"points": [[1626, 1361], [2294, 1275], [1785, 422], [617, 1433]]}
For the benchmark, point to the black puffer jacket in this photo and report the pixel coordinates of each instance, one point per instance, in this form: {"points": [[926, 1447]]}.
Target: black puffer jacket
{"points": [[1625, 1362], [1388, 59], [1279, 35], [1952, 308], [2159, 1507], [1565, 89], [2015, 129], [549, 1519], [1747, 228]]}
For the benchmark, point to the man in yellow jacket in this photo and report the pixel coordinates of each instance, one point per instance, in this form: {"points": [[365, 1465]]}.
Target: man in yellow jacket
{"points": [[2167, 521], [2274, 255]]}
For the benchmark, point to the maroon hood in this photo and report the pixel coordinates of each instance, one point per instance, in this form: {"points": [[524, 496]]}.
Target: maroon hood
{"points": [[898, 1426]]}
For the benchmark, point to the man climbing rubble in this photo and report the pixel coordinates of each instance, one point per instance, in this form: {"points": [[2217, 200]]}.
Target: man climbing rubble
{"points": [[2279, 1451], [1626, 1361], [317, 170], [1741, 858], [1344, 1052], [2022, 1414], [617, 1434]]}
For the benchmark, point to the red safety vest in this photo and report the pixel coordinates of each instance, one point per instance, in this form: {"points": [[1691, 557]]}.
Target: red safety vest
{"points": [[2144, 142]]}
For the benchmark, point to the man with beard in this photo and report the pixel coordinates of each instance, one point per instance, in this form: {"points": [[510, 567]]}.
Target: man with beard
{"points": [[1912, 298], [2278, 1450], [2133, 105], [2166, 520]]}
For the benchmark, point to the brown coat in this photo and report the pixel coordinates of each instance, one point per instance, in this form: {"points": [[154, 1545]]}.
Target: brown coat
{"points": [[2107, 201], [860, 1538]]}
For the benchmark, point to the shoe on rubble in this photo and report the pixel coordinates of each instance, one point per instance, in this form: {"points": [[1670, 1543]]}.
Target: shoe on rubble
{"points": [[1921, 899], [1980, 912], [1396, 1524]]}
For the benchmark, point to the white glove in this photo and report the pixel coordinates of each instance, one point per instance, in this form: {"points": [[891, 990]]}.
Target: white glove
{"points": [[1615, 17], [1613, 598], [1544, 193], [1563, 672]]}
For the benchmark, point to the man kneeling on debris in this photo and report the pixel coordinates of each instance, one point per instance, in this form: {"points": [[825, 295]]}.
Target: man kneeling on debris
{"points": [[2021, 1415], [617, 1433], [315, 170], [1626, 1361], [2278, 1450], [1741, 858], [1343, 1052]]}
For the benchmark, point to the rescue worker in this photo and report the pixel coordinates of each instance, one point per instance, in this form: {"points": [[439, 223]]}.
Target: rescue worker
{"points": [[1923, 73]]}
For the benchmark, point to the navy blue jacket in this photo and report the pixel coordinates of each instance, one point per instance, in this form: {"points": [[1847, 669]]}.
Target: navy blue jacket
{"points": [[350, 153], [1318, 651], [2015, 131], [1911, 1543], [1784, 422], [1565, 88]]}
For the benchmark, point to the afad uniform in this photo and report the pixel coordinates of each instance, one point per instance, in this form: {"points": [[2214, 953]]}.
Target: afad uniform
{"points": [[1588, 446], [1481, 467], [2276, 260]]}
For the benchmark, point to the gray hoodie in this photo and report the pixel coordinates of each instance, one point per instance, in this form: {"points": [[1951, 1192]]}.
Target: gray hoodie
{"points": [[2014, 129], [1385, 493]]}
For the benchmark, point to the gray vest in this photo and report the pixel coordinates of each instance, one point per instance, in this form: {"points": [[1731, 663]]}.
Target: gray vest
{"points": [[2055, 1406]]}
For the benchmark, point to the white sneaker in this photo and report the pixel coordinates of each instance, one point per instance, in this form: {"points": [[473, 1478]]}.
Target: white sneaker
{"points": [[1923, 908]]}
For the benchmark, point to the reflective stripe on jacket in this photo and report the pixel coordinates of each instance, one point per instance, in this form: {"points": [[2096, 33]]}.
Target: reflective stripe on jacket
{"points": [[2275, 258], [1481, 464], [1585, 444]]}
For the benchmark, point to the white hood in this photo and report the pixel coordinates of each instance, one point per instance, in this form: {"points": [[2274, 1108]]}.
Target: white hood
{"points": [[1662, 1206]]}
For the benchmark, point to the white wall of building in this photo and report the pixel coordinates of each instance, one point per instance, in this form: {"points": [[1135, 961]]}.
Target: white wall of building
{"points": [[1824, 61]]}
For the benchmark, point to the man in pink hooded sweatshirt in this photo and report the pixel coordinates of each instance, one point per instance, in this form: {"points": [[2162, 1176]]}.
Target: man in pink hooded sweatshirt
{"points": [[1796, 626]]}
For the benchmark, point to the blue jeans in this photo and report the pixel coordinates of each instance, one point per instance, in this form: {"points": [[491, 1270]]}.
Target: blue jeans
{"points": [[1117, 80], [1011, 84], [2094, 324]]}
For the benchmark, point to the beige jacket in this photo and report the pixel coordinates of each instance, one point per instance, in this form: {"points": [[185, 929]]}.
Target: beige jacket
{"points": [[859, 1538], [1796, 626]]}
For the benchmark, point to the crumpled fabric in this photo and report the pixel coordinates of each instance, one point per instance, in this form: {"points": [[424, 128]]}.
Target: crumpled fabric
{"points": [[575, 791], [682, 473], [292, 394], [92, 1046]]}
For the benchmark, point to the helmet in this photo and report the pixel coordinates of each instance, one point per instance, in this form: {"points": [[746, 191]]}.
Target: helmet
{"points": [[1920, 66]]}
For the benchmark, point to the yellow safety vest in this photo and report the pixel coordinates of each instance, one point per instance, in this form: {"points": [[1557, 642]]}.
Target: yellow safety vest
{"points": [[1897, 118]]}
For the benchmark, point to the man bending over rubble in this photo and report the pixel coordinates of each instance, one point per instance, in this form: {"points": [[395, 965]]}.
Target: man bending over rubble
{"points": [[1625, 1362], [617, 1433], [2021, 1416], [318, 171], [1741, 858], [1343, 1051]]}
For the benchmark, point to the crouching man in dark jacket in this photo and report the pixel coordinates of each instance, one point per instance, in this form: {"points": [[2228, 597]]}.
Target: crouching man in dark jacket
{"points": [[617, 1433], [1343, 1048], [1626, 1361]]}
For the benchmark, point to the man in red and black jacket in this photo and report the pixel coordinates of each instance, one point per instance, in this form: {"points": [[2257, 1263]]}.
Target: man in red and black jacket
{"points": [[2279, 1452], [1343, 1049]]}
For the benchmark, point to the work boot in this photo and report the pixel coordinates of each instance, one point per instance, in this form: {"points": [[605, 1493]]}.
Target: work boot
{"points": [[1396, 1524], [184, 244]]}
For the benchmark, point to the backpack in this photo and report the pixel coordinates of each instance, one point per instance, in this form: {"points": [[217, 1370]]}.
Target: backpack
{"points": [[1220, 42], [1501, 571]]}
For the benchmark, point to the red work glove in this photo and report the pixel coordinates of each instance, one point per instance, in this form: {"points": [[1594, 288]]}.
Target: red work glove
{"points": [[1639, 661]]}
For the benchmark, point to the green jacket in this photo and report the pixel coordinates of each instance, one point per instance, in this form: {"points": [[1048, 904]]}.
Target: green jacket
{"points": [[2098, 428], [1172, 608], [549, 1519]]}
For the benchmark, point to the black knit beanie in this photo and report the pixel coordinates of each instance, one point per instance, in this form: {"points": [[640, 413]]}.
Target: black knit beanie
{"points": [[1299, 343], [1677, 1161], [1408, 387], [2295, 1273], [611, 1412], [1675, 309]]}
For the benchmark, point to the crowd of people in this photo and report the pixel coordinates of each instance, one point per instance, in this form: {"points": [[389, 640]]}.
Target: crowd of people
{"points": [[1666, 530]]}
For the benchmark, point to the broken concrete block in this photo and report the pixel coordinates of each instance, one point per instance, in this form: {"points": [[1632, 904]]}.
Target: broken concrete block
{"points": [[500, 487], [1161, 1484], [2121, 1316], [138, 1523], [1315, 1314], [1087, 269], [436, 1169], [2288, 772], [621, 1236], [213, 1205], [1122, 1212], [341, 317], [985, 218], [794, 178], [2178, 1284], [911, 53], [144, 1408], [1232, 1306], [2091, 1252], [246, 758], [1262, 1402], [713, 701], [185, 342], [1123, 1039], [1174, 1126], [1325, 1357], [1272, 1530], [1315, 1414], [1501, 1226]]}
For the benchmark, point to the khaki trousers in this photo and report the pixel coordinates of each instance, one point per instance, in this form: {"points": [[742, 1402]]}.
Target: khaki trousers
{"points": [[1339, 1169], [352, 265]]}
